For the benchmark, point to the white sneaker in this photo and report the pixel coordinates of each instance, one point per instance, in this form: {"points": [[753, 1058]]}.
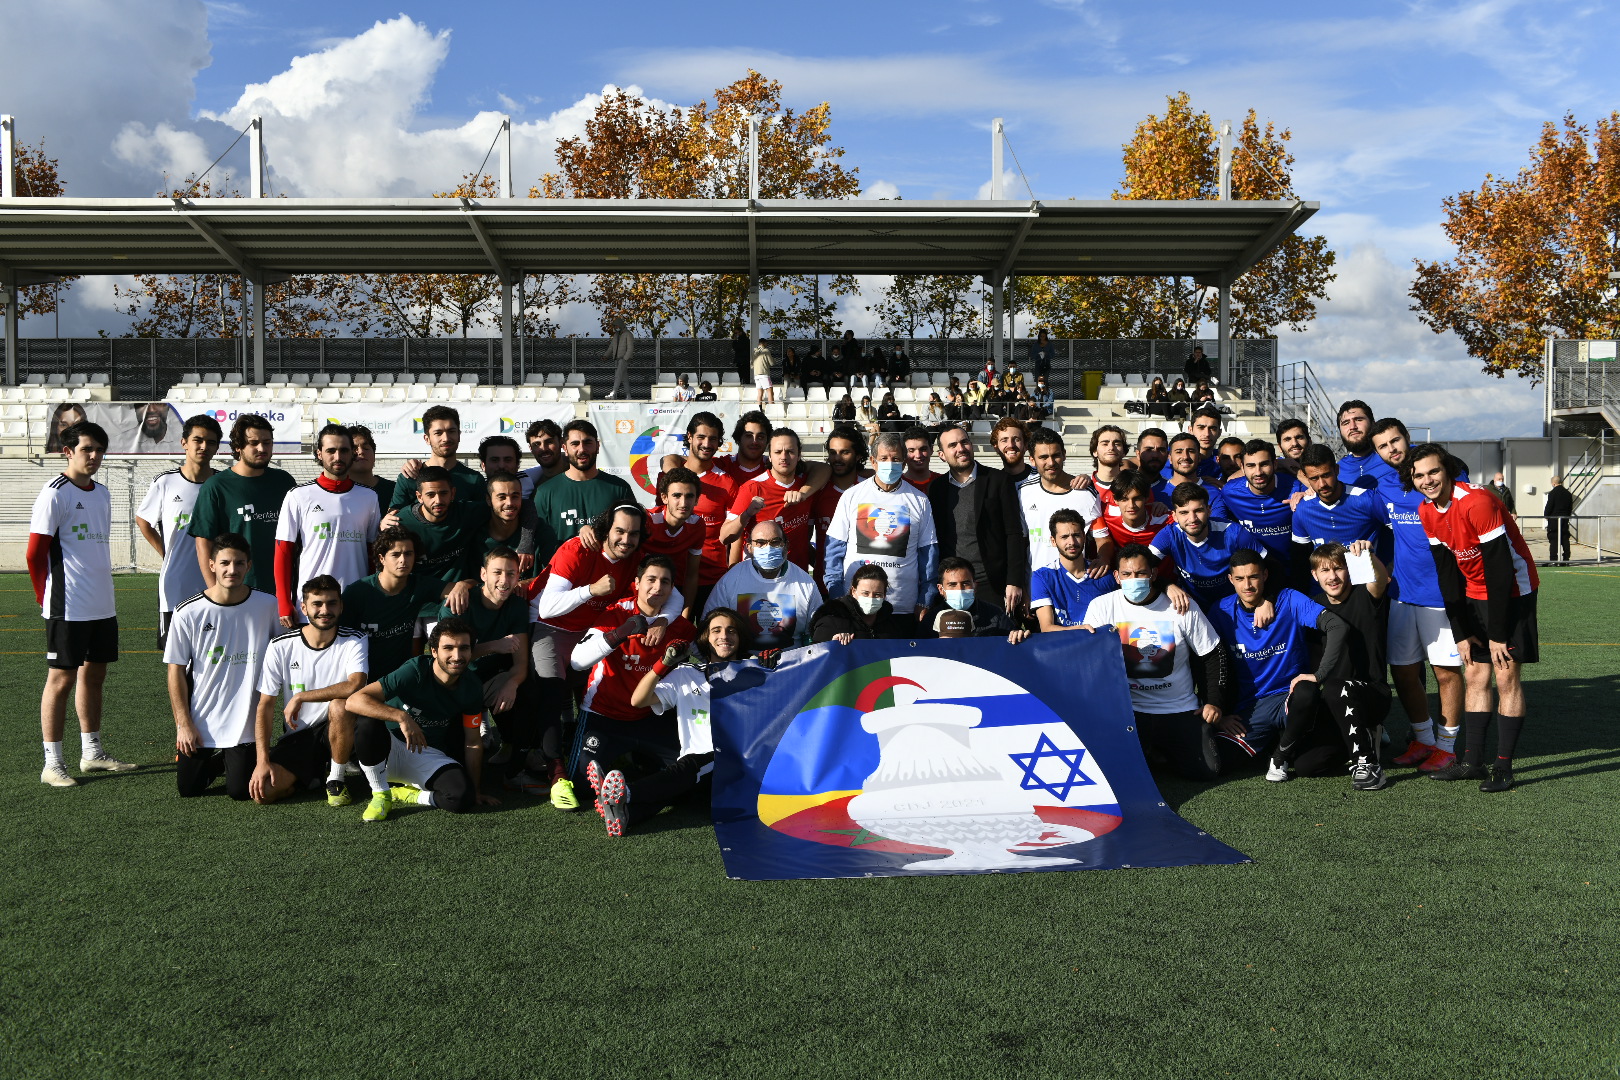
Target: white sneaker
{"points": [[1277, 771], [105, 763], [57, 776]]}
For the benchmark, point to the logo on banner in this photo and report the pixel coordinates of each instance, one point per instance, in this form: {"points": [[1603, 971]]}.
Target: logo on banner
{"points": [[938, 758], [641, 452]]}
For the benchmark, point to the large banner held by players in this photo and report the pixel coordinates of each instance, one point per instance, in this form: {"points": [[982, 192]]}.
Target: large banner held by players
{"points": [[960, 756], [397, 427], [635, 435]]}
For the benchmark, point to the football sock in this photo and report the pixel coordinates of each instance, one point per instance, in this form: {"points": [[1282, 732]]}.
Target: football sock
{"points": [[53, 754], [1446, 739], [336, 771], [1424, 733], [1507, 735], [1474, 726], [90, 743], [376, 776], [426, 799]]}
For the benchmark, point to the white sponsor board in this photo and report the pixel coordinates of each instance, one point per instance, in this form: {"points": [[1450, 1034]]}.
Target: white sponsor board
{"points": [[398, 427], [141, 427]]}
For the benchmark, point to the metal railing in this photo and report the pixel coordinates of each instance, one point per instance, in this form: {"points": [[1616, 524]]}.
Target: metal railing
{"points": [[1584, 375], [1592, 538], [1292, 392]]}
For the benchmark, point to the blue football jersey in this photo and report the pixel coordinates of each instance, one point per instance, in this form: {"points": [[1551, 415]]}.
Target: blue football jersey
{"points": [[1358, 515], [1266, 661], [1217, 501], [1267, 516], [1203, 566], [1365, 471], [1068, 597]]}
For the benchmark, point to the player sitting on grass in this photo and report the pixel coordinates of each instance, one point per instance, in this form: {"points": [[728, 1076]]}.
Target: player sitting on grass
{"points": [[313, 670], [678, 681], [216, 647], [423, 723]]}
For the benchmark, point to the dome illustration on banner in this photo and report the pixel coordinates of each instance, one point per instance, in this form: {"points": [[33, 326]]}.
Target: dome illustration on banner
{"points": [[640, 451], [938, 758]]}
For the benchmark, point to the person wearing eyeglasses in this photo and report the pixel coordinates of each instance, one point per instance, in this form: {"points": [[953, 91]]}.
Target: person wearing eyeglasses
{"points": [[774, 598]]}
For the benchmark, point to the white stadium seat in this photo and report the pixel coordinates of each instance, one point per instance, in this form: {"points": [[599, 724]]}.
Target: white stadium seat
{"points": [[665, 379], [710, 377], [483, 393], [505, 393], [818, 393], [568, 393], [341, 378], [416, 392], [728, 393], [469, 380], [576, 379], [730, 378], [550, 393], [556, 378]]}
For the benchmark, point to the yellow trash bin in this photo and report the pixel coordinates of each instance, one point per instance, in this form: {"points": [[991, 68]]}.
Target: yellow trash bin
{"points": [[1090, 384]]}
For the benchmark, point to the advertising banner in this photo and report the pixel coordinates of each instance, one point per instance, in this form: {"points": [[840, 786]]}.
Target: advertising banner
{"points": [[397, 426], [635, 435], [961, 756], [154, 427]]}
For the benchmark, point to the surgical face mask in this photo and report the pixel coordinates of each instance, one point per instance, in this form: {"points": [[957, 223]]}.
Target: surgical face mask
{"points": [[888, 472], [1136, 589], [770, 558], [869, 605], [959, 599]]}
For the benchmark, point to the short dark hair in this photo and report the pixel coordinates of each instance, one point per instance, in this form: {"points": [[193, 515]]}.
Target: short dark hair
{"points": [[434, 474], [917, 433], [543, 427], [500, 551], [658, 562], [1290, 424], [333, 429], [245, 423], [1187, 492], [850, 434], [704, 419], [360, 431], [1131, 480], [602, 523], [1390, 423], [1231, 440], [580, 425], [945, 429], [451, 626], [1245, 557], [499, 440], [1138, 551], [1259, 446], [680, 475], [1064, 515], [232, 541], [1354, 403], [1453, 465], [954, 562], [204, 421], [323, 583], [1183, 436], [394, 534], [435, 413], [870, 572], [503, 476], [1316, 456], [781, 431], [83, 429], [1154, 431], [752, 416], [1042, 435], [1206, 413]]}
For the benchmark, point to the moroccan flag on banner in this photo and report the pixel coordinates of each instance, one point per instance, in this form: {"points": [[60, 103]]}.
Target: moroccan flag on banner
{"points": [[961, 756]]}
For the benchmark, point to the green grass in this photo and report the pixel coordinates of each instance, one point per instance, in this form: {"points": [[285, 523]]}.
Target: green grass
{"points": [[1427, 930]]}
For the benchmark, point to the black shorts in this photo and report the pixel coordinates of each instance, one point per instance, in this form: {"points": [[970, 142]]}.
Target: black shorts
{"points": [[194, 772], [68, 644], [1523, 639], [304, 753]]}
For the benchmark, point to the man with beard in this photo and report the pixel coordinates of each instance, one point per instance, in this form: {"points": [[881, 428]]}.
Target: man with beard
{"points": [[1361, 467], [1052, 489], [1107, 460], [773, 596], [846, 458], [1337, 512], [1152, 451], [1254, 502], [545, 443], [579, 494], [1010, 439], [152, 434], [977, 517], [766, 498], [441, 430], [246, 500], [1185, 467], [327, 525]]}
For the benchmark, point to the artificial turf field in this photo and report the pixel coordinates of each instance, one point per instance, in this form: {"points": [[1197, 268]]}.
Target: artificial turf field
{"points": [[1425, 930]]}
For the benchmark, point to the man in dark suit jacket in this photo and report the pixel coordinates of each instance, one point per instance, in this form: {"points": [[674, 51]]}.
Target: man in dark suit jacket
{"points": [[976, 517]]}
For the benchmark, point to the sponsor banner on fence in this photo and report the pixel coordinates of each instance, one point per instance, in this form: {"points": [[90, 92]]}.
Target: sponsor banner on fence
{"points": [[397, 426], [154, 427], [635, 435], [888, 758]]}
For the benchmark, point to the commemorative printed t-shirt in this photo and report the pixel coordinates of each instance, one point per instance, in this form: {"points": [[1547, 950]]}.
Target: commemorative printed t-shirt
{"points": [[775, 612], [1159, 645], [888, 529]]}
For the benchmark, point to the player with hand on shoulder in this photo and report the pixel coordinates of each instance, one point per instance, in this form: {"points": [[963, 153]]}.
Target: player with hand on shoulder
{"points": [[215, 654], [313, 670]]}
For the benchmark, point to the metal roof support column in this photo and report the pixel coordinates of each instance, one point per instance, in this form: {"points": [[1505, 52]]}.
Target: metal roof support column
{"points": [[1224, 333], [256, 158], [753, 240], [8, 290], [506, 332], [997, 322], [8, 157], [258, 330], [506, 158], [522, 308]]}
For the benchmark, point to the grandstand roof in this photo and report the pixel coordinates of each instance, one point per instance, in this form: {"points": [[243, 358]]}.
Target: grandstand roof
{"points": [[1204, 240]]}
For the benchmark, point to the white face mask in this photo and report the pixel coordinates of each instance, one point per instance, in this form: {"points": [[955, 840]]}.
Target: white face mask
{"points": [[869, 605]]}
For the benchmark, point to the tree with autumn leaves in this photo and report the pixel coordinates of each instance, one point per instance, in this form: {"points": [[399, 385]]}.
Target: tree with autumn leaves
{"points": [[1534, 252], [38, 178]]}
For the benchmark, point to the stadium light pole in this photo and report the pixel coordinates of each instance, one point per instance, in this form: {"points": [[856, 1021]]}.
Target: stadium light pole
{"points": [[8, 279], [256, 191], [998, 137], [1223, 332]]}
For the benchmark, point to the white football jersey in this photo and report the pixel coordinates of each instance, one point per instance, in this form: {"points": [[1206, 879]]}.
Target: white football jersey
{"points": [[686, 690], [292, 665], [167, 508], [78, 583], [1038, 506], [222, 647], [334, 530]]}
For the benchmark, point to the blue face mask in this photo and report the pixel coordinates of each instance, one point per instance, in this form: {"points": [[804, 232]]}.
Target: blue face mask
{"points": [[959, 599], [1136, 589], [770, 558], [888, 472]]}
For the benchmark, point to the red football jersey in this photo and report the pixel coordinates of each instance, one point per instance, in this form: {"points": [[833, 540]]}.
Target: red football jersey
{"points": [[681, 545], [922, 485], [615, 677], [1111, 526], [738, 471], [822, 509], [717, 487], [579, 565], [795, 518], [1475, 517]]}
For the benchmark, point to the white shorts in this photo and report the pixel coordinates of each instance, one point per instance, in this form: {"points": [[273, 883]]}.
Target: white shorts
{"points": [[416, 769], [762, 382], [1418, 633]]}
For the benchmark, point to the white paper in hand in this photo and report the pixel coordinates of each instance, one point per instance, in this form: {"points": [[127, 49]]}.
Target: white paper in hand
{"points": [[1360, 567]]}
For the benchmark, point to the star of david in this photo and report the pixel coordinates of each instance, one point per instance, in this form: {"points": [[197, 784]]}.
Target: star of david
{"points": [[1045, 748]]}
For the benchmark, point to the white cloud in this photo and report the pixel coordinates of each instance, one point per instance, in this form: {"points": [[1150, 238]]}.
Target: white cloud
{"points": [[880, 189], [1012, 187]]}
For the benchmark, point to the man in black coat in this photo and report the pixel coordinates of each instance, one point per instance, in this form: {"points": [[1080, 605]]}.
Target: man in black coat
{"points": [[1560, 505], [976, 517]]}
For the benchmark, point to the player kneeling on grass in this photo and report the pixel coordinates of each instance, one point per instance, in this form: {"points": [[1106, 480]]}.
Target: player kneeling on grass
{"points": [[420, 729], [618, 658], [217, 641], [678, 681], [314, 670]]}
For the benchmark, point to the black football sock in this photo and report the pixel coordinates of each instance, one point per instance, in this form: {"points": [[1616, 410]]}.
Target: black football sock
{"points": [[1474, 727], [1507, 737]]}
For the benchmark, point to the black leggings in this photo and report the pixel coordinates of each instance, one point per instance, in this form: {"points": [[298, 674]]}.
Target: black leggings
{"points": [[652, 793], [531, 724], [194, 772], [451, 785], [1326, 720], [603, 740], [1185, 740]]}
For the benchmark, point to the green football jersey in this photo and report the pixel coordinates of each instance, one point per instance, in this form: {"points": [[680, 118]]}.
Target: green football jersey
{"points": [[490, 624], [563, 504], [250, 505], [469, 487], [442, 711], [389, 621]]}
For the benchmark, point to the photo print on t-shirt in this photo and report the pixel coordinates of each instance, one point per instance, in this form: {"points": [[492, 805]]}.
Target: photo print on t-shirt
{"points": [[1150, 649], [882, 529], [771, 620]]}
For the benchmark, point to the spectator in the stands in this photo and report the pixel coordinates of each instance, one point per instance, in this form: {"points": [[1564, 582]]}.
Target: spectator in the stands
{"points": [[1179, 401], [844, 408], [889, 417], [705, 392], [1202, 394], [1041, 354], [817, 370], [956, 408], [792, 373], [877, 367], [1197, 369], [936, 410], [838, 369], [742, 356], [866, 416], [899, 367], [1043, 396], [974, 399], [1158, 398], [683, 388]]}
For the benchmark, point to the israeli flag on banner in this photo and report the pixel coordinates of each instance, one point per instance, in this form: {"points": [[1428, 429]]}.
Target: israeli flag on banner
{"points": [[960, 756]]}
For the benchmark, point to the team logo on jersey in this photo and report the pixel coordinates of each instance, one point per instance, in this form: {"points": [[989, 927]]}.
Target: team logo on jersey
{"points": [[246, 510], [317, 508], [881, 529], [178, 499], [181, 520], [369, 627], [80, 532], [294, 665], [216, 654], [208, 628], [938, 758], [323, 529], [640, 452]]}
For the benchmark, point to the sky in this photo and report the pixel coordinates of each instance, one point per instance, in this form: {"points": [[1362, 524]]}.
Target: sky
{"points": [[1393, 107]]}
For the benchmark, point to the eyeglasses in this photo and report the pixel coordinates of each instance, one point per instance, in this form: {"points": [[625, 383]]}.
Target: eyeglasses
{"points": [[767, 543]]}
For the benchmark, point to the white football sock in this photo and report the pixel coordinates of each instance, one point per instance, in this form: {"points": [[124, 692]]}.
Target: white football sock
{"points": [[1424, 732], [90, 744], [376, 776], [426, 798], [53, 754], [335, 772], [1447, 739]]}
